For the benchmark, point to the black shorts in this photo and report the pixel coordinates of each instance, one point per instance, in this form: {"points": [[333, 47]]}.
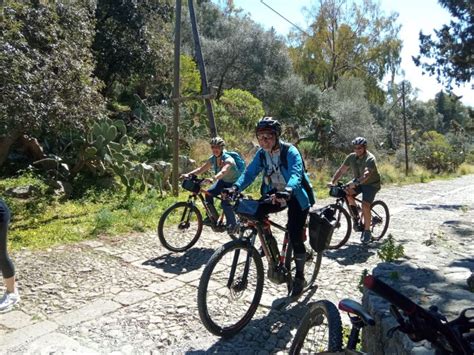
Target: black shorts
{"points": [[368, 192]]}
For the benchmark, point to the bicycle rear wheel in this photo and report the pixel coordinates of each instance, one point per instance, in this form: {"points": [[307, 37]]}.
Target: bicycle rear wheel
{"points": [[319, 331], [311, 266], [342, 227], [230, 288], [380, 219], [180, 226]]}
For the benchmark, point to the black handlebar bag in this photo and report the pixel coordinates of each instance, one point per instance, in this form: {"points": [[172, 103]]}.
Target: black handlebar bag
{"points": [[321, 227]]}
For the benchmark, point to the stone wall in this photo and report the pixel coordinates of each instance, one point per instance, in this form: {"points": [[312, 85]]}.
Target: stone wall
{"points": [[436, 272]]}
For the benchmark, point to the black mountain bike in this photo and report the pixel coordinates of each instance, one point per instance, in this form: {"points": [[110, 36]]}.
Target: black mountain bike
{"points": [[320, 331], [180, 226], [231, 284], [344, 217]]}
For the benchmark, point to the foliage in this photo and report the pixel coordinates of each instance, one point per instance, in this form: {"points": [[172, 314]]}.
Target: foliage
{"points": [[390, 251], [449, 56], [434, 152], [45, 62], [133, 46], [360, 286], [239, 54], [237, 111], [349, 113], [347, 40]]}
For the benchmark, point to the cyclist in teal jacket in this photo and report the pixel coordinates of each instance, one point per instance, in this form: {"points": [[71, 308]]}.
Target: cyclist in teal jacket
{"points": [[277, 178]]}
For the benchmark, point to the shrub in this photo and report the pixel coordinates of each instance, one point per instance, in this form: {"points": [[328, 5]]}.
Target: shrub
{"points": [[389, 251], [434, 152]]}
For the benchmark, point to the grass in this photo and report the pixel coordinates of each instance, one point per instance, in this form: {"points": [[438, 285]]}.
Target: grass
{"points": [[44, 220]]}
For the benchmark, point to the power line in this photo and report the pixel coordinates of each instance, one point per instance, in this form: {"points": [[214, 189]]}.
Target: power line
{"points": [[284, 18]]}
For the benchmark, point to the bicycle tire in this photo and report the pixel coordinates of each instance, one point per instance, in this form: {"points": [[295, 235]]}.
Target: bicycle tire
{"points": [[321, 319], [340, 235], [169, 224], [380, 219], [213, 289], [311, 266]]}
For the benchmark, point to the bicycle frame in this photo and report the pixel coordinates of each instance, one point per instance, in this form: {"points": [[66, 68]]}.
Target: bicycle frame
{"points": [[200, 196], [278, 262]]}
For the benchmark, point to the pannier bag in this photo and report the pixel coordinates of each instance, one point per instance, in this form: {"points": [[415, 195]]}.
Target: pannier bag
{"points": [[321, 228], [247, 208], [191, 185]]}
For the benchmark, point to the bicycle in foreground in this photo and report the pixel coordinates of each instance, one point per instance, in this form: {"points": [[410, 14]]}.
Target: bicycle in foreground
{"points": [[180, 226], [344, 217], [231, 284], [320, 331]]}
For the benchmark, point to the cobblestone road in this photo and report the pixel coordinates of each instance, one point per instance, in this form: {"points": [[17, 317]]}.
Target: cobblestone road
{"points": [[128, 295]]}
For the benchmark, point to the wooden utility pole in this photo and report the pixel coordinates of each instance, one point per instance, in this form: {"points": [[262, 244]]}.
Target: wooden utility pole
{"points": [[176, 95], [405, 128], [177, 99], [202, 70]]}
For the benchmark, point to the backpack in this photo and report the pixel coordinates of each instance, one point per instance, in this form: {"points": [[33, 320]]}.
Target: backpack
{"points": [[284, 162], [239, 162]]}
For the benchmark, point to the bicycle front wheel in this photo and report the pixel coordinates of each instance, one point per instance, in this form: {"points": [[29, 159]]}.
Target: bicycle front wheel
{"points": [[380, 219], [230, 288], [320, 330], [342, 227], [180, 226]]}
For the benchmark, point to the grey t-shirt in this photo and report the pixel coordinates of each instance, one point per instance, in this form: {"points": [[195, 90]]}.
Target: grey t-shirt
{"points": [[358, 166]]}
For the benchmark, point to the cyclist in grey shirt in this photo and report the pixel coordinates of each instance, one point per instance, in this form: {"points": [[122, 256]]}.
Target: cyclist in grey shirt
{"points": [[366, 180]]}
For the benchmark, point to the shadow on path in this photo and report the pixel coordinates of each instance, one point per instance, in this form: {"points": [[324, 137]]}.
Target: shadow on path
{"points": [[353, 253], [273, 330], [191, 260]]}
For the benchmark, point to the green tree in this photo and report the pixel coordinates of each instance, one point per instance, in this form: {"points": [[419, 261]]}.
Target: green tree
{"points": [[450, 56], [133, 47], [348, 40], [239, 53], [46, 67]]}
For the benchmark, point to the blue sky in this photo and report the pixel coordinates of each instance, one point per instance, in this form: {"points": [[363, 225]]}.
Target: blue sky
{"points": [[414, 15]]}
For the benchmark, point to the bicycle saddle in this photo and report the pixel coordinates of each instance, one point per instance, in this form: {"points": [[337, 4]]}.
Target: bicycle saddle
{"points": [[351, 306]]}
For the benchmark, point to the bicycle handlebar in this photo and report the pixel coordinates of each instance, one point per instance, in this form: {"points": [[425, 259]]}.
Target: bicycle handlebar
{"points": [[391, 295]]}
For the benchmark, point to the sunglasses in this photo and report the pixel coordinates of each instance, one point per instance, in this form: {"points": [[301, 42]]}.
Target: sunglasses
{"points": [[215, 146], [360, 147], [265, 136]]}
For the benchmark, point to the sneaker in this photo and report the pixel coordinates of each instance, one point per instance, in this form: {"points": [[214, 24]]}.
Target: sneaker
{"points": [[207, 221], [357, 225], [365, 237], [8, 300], [298, 286]]}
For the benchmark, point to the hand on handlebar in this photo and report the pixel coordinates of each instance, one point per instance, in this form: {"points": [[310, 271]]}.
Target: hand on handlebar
{"points": [[183, 176], [207, 181]]}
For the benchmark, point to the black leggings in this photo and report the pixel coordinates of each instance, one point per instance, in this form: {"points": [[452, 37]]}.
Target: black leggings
{"points": [[296, 222], [6, 265]]}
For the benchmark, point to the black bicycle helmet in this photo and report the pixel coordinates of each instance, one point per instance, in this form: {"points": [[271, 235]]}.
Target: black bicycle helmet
{"points": [[359, 141], [268, 123], [217, 141]]}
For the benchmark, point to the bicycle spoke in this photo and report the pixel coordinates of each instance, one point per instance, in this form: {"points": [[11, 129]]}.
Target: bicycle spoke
{"points": [[233, 290]]}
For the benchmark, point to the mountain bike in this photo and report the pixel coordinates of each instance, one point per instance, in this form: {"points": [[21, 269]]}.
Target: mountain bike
{"points": [[320, 330], [344, 217], [231, 284], [180, 226]]}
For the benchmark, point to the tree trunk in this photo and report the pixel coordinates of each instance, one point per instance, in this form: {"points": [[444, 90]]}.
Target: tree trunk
{"points": [[31, 147], [5, 144]]}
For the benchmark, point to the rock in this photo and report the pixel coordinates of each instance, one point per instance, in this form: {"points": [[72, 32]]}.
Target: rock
{"points": [[22, 192]]}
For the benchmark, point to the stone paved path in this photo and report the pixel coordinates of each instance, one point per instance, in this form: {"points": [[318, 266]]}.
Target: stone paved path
{"points": [[128, 295]]}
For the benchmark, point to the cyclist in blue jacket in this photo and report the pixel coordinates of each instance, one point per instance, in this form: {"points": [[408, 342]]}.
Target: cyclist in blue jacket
{"points": [[279, 178]]}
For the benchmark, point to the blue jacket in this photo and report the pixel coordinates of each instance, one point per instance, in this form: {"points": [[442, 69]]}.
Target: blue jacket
{"points": [[293, 175]]}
